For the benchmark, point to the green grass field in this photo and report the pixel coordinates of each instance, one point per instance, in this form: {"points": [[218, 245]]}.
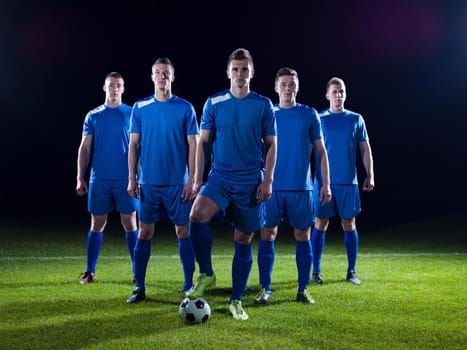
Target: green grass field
{"points": [[413, 293]]}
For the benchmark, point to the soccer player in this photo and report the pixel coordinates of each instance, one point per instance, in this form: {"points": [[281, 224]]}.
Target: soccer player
{"points": [[344, 134], [242, 125], [163, 137], [105, 141], [299, 129]]}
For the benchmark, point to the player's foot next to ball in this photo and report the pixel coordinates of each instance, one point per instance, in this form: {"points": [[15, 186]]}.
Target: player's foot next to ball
{"points": [[204, 281], [137, 296]]}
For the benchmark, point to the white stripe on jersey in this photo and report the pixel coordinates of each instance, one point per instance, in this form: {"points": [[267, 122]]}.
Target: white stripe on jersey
{"points": [[222, 98]]}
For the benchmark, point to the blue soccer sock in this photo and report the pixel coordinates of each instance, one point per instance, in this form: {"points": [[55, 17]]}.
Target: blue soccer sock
{"points": [[93, 248], [187, 258], [142, 255], [241, 268], [266, 254], [303, 258], [130, 238], [317, 244], [201, 241], [351, 246]]}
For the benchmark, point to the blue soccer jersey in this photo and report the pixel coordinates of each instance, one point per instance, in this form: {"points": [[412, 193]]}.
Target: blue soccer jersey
{"points": [[297, 128], [164, 127], [342, 134], [239, 126], [109, 129]]}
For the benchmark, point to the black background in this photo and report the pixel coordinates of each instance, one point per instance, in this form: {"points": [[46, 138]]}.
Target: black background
{"points": [[404, 63]]}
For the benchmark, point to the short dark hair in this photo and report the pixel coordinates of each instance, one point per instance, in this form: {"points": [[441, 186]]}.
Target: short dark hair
{"points": [[164, 60], [240, 54], [285, 71], [116, 75], [334, 81]]}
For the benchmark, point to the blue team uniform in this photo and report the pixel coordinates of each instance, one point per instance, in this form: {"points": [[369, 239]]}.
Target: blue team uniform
{"points": [[163, 173], [297, 128], [109, 172], [164, 148], [291, 199], [238, 127], [342, 134], [109, 169]]}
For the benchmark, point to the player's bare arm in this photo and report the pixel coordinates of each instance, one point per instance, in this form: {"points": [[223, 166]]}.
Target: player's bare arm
{"points": [[264, 191], [133, 189], [322, 157], [188, 193], [84, 155], [204, 138], [367, 158]]}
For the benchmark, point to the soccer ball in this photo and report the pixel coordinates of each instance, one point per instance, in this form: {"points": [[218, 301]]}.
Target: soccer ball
{"points": [[194, 311]]}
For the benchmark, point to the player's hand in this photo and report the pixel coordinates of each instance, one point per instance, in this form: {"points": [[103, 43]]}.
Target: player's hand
{"points": [[188, 194], [263, 192], [196, 187], [368, 184], [81, 187], [133, 189], [325, 195]]}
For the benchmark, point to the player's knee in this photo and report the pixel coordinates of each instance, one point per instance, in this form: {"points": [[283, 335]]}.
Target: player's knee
{"points": [[268, 234]]}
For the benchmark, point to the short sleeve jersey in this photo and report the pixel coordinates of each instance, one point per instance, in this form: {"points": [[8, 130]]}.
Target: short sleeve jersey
{"points": [[109, 128], [297, 128], [238, 127], [342, 134], [164, 127]]}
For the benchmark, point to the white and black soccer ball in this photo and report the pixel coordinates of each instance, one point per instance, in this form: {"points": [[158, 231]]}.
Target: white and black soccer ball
{"points": [[194, 311]]}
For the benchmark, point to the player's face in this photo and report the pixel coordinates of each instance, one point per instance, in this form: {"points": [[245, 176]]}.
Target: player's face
{"points": [[162, 76], [240, 72], [287, 89], [114, 88], [336, 95]]}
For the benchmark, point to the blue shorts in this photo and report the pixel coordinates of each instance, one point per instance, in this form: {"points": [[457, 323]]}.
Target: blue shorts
{"points": [[292, 207], [247, 213], [159, 202], [107, 196], [345, 202]]}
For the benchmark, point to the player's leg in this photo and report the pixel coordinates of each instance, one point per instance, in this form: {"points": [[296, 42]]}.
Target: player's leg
{"points": [[126, 206], [349, 207], [93, 247], [178, 211], [318, 234], [203, 209], [266, 249], [247, 218], [303, 258], [100, 202], [142, 254], [300, 213], [131, 235], [149, 214], [241, 268], [187, 256], [266, 255]]}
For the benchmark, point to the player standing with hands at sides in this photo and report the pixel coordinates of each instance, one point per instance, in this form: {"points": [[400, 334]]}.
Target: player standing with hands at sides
{"points": [[163, 137], [344, 134], [299, 129], [241, 123], [105, 141]]}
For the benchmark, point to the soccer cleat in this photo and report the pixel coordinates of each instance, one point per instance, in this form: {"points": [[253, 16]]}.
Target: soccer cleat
{"points": [[200, 285], [352, 278], [316, 278], [88, 277], [305, 298], [137, 296], [237, 311], [263, 296]]}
